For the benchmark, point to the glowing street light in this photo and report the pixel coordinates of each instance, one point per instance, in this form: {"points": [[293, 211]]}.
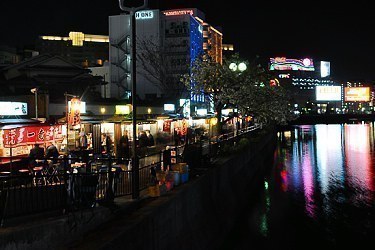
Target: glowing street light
{"points": [[238, 67]]}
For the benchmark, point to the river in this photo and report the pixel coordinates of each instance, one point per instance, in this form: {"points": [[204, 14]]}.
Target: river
{"points": [[318, 194]]}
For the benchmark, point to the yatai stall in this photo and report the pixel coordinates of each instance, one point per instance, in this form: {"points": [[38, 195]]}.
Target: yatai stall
{"points": [[16, 140]]}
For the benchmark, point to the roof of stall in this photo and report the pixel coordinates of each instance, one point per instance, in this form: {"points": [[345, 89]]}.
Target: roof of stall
{"points": [[17, 122], [85, 119]]}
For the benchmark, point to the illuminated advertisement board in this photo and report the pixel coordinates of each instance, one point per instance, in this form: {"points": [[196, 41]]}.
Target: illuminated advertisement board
{"points": [[358, 94], [13, 108], [328, 93], [325, 69], [169, 107], [283, 63]]}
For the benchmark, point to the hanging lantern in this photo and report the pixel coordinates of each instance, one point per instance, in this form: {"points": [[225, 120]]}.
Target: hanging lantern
{"points": [[75, 112]]}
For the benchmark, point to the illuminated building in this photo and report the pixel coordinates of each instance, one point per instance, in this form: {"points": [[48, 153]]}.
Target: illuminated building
{"points": [[309, 84], [228, 49], [82, 49], [178, 36]]}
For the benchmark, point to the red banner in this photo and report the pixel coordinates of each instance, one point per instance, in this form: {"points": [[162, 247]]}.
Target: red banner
{"points": [[30, 135], [167, 126], [184, 127]]}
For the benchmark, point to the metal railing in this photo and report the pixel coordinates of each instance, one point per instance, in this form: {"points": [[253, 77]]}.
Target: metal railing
{"points": [[68, 184]]}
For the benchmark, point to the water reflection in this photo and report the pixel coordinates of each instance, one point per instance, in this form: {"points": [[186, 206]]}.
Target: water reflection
{"points": [[319, 192], [330, 172], [323, 159]]}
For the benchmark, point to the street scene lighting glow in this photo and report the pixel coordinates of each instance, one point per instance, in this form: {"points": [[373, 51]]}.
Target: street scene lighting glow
{"points": [[242, 67], [233, 66]]}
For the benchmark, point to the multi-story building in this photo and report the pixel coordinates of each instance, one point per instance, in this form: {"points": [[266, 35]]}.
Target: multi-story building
{"points": [[168, 42], [228, 49], [82, 49], [358, 97], [309, 85]]}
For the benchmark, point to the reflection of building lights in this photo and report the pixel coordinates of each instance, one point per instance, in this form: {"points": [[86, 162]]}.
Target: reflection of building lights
{"points": [[266, 185]]}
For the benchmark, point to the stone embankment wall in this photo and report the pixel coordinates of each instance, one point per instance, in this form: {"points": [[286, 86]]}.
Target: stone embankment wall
{"points": [[199, 215], [196, 215]]}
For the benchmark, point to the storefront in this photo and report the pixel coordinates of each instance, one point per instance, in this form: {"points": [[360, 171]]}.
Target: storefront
{"points": [[16, 140]]}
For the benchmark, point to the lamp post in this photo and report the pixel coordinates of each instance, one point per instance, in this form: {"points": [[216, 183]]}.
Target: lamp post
{"points": [[35, 92], [135, 167], [238, 67]]}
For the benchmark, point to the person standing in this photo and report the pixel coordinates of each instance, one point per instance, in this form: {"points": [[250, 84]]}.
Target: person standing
{"points": [[123, 148], [82, 140], [167, 164], [150, 138], [106, 144], [143, 142]]}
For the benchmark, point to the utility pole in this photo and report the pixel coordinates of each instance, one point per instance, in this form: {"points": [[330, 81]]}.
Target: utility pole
{"points": [[135, 163]]}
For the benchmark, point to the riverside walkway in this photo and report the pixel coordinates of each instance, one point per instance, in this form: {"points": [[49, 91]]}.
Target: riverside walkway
{"points": [[34, 232]]}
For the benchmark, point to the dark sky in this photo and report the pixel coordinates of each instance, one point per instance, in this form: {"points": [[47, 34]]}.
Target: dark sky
{"points": [[342, 34]]}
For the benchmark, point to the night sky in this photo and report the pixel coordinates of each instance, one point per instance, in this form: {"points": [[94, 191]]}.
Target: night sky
{"points": [[342, 34]]}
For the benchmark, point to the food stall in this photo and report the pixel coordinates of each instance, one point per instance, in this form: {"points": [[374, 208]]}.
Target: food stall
{"points": [[16, 140]]}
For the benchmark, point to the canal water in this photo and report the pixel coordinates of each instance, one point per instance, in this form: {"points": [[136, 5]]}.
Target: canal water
{"points": [[319, 193]]}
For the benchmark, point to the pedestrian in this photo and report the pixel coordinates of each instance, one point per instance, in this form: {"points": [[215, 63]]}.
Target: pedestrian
{"points": [[123, 148], [143, 142], [167, 158], [176, 137], [150, 138], [106, 144], [83, 140]]}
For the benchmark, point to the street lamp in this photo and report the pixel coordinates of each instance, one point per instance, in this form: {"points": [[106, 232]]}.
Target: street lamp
{"points": [[238, 67], [35, 92], [102, 111], [135, 167]]}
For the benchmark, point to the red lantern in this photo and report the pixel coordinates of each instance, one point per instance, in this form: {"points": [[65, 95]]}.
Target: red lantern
{"points": [[75, 112]]}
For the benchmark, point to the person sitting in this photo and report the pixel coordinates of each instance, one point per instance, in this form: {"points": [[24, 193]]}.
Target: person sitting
{"points": [[52, 152], [36, 153]]}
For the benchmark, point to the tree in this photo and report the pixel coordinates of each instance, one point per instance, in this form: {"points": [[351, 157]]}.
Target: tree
{"points": [[253, 95], [248, 90], [159, 67], [209, 78]]}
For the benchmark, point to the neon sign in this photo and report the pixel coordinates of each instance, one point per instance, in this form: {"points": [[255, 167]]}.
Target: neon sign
{"points": [[283, 63], [147, 14], [178, 12]]}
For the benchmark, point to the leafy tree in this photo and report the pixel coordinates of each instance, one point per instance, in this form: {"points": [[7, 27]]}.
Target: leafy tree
{"points": [[249, 90], [253, 95], [209, 78]]}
